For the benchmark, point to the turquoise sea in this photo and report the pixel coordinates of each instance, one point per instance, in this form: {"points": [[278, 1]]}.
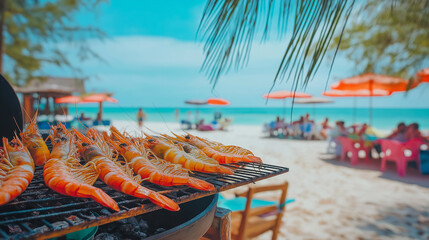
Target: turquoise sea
{"points": [[383, 118]]}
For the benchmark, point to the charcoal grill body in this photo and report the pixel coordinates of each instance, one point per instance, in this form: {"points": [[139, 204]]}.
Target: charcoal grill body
{"points": [[194, 219]]}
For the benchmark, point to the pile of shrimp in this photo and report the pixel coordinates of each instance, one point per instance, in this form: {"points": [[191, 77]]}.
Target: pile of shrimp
{"points": [[160, 159]]}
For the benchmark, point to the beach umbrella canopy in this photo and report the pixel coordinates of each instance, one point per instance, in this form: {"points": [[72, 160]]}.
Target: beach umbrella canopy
{"points": [[313, 101], [217, 101], [196, 102], [372, 81], [99, 98], [68, 99], [284, 95], [423, 75], [358, 93]]}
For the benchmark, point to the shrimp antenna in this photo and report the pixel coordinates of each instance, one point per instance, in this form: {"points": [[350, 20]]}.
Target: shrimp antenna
{"points": [[77, 116], [16, 123], [26, 113], [162, 117]]}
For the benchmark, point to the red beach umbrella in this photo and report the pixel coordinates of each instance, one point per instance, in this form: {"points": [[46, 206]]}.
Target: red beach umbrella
{"points": [[217, 101], [68, 99]]}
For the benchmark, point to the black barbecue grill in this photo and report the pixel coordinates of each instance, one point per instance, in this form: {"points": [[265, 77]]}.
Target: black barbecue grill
{"points": [[40, 212]]}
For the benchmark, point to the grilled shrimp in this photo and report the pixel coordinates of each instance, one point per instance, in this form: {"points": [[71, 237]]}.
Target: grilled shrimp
{"points": [[221, 153], [16, 169], [32, 139], [96, 151], [155, 170], [169, 151], [64, 174]]}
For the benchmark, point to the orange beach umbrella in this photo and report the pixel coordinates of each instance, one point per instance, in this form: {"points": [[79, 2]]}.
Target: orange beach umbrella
{"points": [[358, 93], [68, 99], [99, 98], [423, 75], [372, 81], [217, 101]]}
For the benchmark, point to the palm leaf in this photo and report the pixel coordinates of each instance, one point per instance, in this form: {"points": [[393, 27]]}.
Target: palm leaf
{"points": [[228, 28]]}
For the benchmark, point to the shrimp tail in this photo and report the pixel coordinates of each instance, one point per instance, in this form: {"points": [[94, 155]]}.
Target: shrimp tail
{"points": [[225, 170], [163, 201], [200, 184], [101, 197], [254, 159]]}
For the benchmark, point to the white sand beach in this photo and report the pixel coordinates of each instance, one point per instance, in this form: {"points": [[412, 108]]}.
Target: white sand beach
{"points": [[334, 200]]}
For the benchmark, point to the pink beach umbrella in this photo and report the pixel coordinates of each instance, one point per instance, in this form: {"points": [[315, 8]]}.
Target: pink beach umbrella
{"points": [[284, 95]]}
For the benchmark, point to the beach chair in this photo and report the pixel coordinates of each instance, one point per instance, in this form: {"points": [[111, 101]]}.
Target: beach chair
{"points": [[354, 147], [253, 221], [396, 151]]}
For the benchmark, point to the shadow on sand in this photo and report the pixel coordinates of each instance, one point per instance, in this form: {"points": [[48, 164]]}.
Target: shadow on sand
{"points": [[413, 176], [405, 222]]}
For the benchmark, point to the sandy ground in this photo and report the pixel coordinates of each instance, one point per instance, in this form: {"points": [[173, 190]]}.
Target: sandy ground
{"points": [[334, 200]]}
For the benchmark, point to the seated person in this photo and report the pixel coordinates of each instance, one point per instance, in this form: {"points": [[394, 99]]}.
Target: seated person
{"points": [[224, 123], [362, 130], [217, 116], [325, 128], [204, 127], [339, 130], [83, 118], [399, 133], [187, 123], [413, 131]]}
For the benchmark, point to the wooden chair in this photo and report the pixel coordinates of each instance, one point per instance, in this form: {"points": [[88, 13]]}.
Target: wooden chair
{"points": [[254, 221]]}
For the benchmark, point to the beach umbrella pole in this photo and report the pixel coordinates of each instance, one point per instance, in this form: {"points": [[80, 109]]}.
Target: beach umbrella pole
{"points": [[354, 110], [100, 111], [284, 108]]}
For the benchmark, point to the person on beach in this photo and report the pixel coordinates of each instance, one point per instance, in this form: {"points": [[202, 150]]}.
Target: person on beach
{"points": [[325, 128], [413, 131], [177, 114], [141, 116], [399, 133]]}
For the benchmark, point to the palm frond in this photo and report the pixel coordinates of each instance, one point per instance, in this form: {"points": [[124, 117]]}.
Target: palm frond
{"points": [[228, 28]]}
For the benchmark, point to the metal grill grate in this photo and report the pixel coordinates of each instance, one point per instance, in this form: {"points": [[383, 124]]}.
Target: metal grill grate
{"points": [[40, 212]]}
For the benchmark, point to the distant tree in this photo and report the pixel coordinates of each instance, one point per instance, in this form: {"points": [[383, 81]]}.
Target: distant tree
{"points": [[388, 37], [30, 33]]}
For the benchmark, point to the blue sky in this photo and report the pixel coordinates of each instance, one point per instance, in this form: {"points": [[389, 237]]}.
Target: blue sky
{"points": [[152, 59]]}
